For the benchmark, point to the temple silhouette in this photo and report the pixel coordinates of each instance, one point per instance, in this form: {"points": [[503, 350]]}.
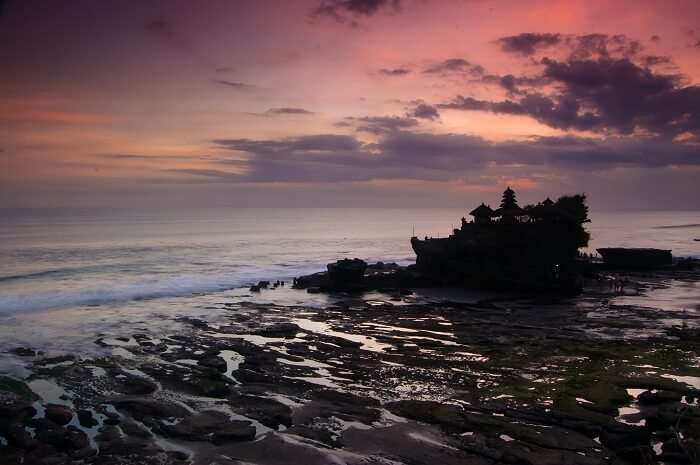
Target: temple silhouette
{"points": [[535, 247]]}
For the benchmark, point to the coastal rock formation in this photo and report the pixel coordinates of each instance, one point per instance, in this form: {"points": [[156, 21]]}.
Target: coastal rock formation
{"points": [[347, 273], [534, 248], [345, 276]]}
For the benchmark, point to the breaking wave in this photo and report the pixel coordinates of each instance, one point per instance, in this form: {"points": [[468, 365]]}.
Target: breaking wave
{"points": [[174, 286]]}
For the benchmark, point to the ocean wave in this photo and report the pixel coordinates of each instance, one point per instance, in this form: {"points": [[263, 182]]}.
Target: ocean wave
{"points": [[53, 273], [36, 274], [175, 286]]}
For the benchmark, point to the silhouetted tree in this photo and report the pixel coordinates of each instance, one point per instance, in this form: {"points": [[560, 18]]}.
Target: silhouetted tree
{"points": [[575, 205], [576, 208]]}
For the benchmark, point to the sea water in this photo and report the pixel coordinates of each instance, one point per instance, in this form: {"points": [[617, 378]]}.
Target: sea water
{"points": [[106, 264]]}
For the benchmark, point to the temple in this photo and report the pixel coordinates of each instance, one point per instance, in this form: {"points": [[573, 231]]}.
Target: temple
{"points": [[532, 247]]}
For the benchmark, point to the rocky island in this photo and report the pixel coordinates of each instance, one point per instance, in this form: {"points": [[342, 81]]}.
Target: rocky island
{"points": [[533, 248]]}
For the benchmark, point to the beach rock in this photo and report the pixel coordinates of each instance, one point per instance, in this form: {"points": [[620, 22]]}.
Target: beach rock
{"points": [[15, 402], [319, 435], [213, 387], [59, 414], [131, 428], [59, 359], [649, 397], [381, 266], [24, 352], [63, 439], [196, 322], [660, 384], [213, 361], [144, 409], [319, 280], [267, 411], [346, 273], [605, 397], [211, 425], [86, 419], [18, 436], [346, 406], [286, 330], [620, 437], [133, 451], [665, 416], [109, 433], [130, 385]]}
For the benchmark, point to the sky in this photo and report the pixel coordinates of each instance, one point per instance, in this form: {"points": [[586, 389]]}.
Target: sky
{"points": [[349, 103]]}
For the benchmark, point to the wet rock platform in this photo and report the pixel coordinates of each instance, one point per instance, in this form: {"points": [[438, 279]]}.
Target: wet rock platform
{"points": [[398, 378]]}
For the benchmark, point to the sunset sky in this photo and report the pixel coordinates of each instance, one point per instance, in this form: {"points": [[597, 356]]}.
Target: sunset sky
{"points": [[349, 102]]}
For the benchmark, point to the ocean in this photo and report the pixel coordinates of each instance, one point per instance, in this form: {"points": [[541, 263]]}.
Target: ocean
{"points": [[79, 257]]}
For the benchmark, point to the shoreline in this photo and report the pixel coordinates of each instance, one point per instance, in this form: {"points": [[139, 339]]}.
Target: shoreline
{"points": [[360, 378]]}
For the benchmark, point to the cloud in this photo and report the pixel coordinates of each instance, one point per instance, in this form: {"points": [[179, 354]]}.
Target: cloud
{"points": [[233, 85], [311, 143], [344, 10], [602, 46], [527, 43], [454, 65], [378, 124], [394, 71], [288, 111], [654, 60], [218, 175], [130, 156], [604, 95], [514, 84], [402, 155], [578, 47], [424, 111]]}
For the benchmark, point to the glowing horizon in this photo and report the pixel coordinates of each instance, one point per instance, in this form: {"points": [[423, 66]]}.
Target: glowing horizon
{"points": [[349, 103]]}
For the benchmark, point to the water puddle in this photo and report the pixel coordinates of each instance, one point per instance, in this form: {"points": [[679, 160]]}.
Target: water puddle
{"points": [[256, 339], [472, 356], [368, 343], [401, 329], [324, 378], [428, 440], [233, 361], [693, 381], [50, 392], [304, 363], [674, 295]]}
